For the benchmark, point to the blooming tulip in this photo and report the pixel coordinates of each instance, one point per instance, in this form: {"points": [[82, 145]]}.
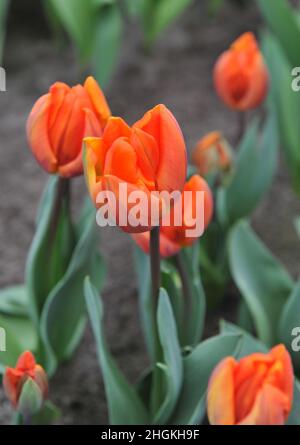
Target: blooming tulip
{"points": [[212, 153], [26, 369], [240, 74], [60, 120], [173, 238], [148, 157], [257, 390]]}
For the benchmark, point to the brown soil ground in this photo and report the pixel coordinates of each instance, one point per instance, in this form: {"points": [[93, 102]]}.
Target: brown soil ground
{"points": [[177, 73]]}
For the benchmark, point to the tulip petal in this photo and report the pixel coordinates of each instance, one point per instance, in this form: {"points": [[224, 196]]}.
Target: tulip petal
{"points": [[26, 361], [162, 125], [167, 247], [37, 134], [98, 100], [11, 384], [270, 408], [147, 153], [220, 396], [115, 128]]}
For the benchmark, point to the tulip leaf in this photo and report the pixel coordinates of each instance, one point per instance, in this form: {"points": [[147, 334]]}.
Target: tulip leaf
{"points": [[47, 415], [189, 258], [4, 4], [14, 301], [158, 15], [142, 268], [172, 357], [282, 20], [31, 399], [17, 334], [107, 42], [124, 405], [254, 171], [77, 17], [289, 322], [63, 317], [170, 281], [198, 366], [263, 282], [286, 103], [251, 345], [50, 252]]}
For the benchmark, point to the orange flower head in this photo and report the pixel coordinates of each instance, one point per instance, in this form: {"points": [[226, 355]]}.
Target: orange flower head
{"points": [[173, 237], [58, 122], [148, 157], [212, 153], [240, 74], [15, 378], [257, 390]]}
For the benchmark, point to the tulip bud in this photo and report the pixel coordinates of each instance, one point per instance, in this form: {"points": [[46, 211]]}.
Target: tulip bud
{"points": [[26, 385], [148, 157], [174, 238], [240, 74], [212, 154], [257, 390], [60, 120]]}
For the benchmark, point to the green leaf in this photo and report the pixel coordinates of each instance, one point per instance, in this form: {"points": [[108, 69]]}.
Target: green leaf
{"points": [[63, 317], [172, 357], [249, 344], [20, 335], [142, 268], [4, 4], [286, 103], [107, 43], [281, 18], [31, 399], [14, 301], [124, 405], [197, 303], [198, 367], [254, 171], [77, 17], [294, 418], [158, 15], [170, 281], [290, 319], [49, 253], [263, 282], [48, 415]]}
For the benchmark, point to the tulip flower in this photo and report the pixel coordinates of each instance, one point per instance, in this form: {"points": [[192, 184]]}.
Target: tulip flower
{"points": [[257, 390], [240, 74], [211, 154], [148, 157], [26, 369], [174, 238], [59, 121]]}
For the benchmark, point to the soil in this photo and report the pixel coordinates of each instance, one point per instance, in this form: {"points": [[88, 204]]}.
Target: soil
{"points": [[177, 72]]}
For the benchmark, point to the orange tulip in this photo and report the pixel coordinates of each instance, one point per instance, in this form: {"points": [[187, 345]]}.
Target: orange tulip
{"points": [[60, 120], [173, 238], [240, 74], [257, 390], [15, 378], [150, 157], [212, 153]]}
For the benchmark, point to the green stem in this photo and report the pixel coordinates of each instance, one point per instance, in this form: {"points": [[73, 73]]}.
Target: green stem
{"points": [[186, 287], [156, 392], [62, 193]]}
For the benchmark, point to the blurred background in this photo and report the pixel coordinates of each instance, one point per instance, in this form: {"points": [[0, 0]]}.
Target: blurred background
{"points": [[142, 52]]}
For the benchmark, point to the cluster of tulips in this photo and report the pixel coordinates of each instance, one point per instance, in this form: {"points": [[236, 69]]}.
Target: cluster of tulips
{"points": [[243, 375]]}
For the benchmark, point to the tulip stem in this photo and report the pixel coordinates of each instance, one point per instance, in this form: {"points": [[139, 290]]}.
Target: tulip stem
{"points": [[156, 392], [155, 262]]}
